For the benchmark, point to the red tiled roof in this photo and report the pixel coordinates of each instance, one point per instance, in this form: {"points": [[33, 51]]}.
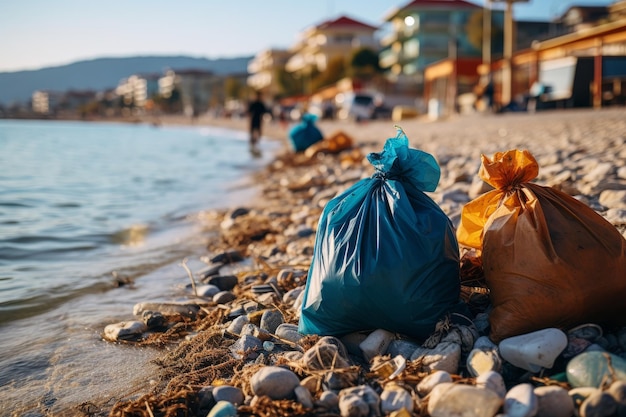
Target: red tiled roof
{"points": [[344, 21], [439, 3]]}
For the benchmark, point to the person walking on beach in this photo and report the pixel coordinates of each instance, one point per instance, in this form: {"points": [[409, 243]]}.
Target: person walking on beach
{"points": [[256, 111]]}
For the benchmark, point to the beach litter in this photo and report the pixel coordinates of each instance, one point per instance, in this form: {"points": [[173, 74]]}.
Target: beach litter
{"points": [[243, 353], [305, 133]]}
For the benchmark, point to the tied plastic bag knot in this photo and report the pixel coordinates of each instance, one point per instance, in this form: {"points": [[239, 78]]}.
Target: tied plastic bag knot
{"points": [[397, 161], [385, 254], [507, 170]]}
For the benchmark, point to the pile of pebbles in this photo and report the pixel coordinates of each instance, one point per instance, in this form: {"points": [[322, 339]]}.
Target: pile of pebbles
{"points": [[257, 278]]}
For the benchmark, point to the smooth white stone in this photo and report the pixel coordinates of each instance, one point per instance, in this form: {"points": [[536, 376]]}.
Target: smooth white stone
{"points": [[395, 398], [521, 401], [124, 330], [613, 199], [480, 361], [449, 399], [288, 331], [492, 381], [185, 309], [427, 384], [376, 343], [533, 351]]}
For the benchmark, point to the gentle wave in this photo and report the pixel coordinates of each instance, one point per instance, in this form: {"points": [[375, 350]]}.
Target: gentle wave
{"points": [[94, 218], [10, 253]]}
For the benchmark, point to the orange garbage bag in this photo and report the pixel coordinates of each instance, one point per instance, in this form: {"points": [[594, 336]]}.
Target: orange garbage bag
{"points": [[335, 143], [548, 259]]}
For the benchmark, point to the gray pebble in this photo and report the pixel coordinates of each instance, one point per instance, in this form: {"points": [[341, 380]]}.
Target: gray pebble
{"points": [[288, 331], [291, 296], [246, 347], [224, 297], [303, 396], [328, 400], [184, 309], [359, 401], [223, 282], [270, 320], [236, 326], [404, 348], [228, 393], [206, 290], [275, 382], [126, 330]]}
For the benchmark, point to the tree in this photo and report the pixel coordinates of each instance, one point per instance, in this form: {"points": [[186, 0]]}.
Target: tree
{"points": [[364, 64], [288, 84], [335, 71]]}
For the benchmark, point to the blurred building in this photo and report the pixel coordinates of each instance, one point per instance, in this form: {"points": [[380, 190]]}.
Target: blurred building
{"points": [[582, 17], [45, 102], [333, 39], [195, 88], [264, 70], [61, 103], [585, 66], [426, 31], [137, 89]]}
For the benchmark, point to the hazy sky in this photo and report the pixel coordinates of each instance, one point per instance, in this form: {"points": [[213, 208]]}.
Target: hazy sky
{"points": [[41, 33]]}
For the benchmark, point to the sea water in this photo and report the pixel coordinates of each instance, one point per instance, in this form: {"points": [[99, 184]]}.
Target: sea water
{"points": [[83, 207]]}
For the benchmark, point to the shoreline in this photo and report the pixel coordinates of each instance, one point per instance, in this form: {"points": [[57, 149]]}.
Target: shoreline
{"points": [[281, 220]]}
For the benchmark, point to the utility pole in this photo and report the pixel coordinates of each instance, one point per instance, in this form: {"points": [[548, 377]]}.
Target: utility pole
{"points": [[509, 40], [487, 34]]}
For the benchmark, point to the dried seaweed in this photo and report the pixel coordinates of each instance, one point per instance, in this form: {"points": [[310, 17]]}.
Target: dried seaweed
{"points": [[182, 402]]}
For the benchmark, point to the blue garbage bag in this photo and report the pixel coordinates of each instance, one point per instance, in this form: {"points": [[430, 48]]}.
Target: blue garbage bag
{"points": [[385, 255], [305, 133]]}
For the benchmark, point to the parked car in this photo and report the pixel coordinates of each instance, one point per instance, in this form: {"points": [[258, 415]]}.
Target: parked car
{"points": [[357, 106]]}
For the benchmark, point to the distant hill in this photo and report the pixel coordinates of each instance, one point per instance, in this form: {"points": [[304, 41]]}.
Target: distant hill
{"points": [[103, 73]]}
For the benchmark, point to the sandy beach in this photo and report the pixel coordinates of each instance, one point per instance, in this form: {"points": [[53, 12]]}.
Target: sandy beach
{"points": [[580, 152]]}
